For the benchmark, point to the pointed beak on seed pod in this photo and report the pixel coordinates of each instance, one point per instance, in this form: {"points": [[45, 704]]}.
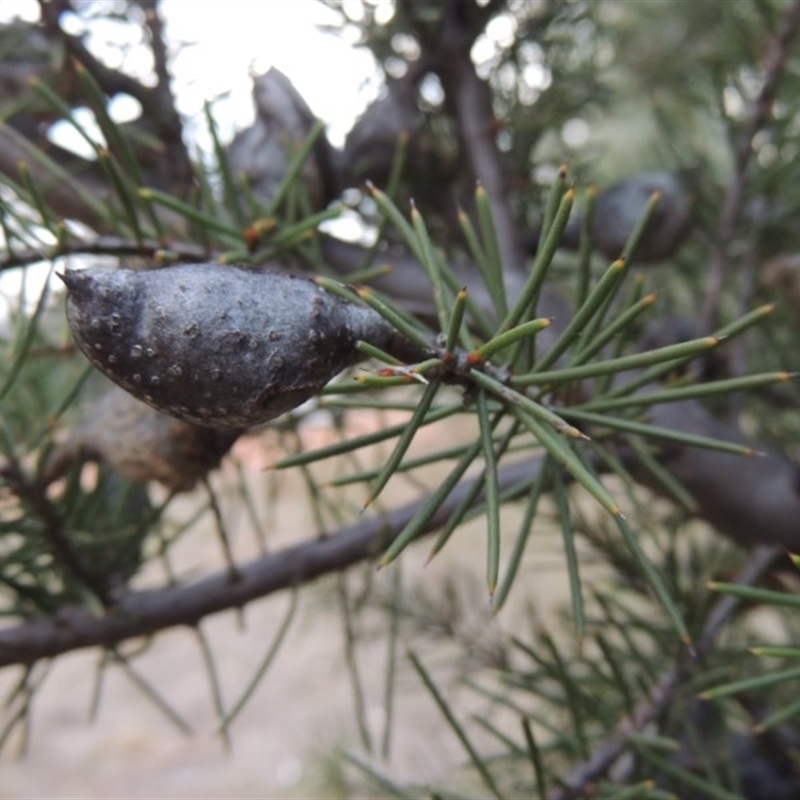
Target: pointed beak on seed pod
{"points": [[220, 346]]}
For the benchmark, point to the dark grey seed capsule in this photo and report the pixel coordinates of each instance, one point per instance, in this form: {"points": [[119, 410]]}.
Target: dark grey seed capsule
{"points": [[277, 339]]}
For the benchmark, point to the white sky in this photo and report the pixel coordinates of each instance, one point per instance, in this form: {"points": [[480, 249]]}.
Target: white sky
{"points": [[239, 36]]}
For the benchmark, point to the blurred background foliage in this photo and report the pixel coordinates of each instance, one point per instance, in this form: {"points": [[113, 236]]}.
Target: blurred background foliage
{"points": [[603, 700]]}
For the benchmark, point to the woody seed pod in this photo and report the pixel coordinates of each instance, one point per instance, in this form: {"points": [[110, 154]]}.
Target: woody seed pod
{"points": [[140, 444], [220, 346], [619, 208]]}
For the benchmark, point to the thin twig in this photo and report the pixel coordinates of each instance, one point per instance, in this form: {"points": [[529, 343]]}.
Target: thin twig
{"points": [[106, 246], [212, 671], [111, 81], [760, 111], [158, 103], [471, 101], [605, 756], [177, 161], [351, 659], [221, 529], [147, 612]]}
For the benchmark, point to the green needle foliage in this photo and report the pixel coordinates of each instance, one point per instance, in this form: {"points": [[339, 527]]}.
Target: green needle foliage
{"points": [[611, 418]]}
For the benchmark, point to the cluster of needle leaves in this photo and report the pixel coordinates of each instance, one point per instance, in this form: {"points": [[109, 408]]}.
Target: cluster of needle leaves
{"points": [[222, 218], [551, 702], [559, 402]]}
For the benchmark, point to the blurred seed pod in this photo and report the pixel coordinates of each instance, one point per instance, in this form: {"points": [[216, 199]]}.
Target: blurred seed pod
{"points": [[671, 330], [433, 171], [219, 346], [140, 444], [263, 151], [371, 145], [619, 208]]}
